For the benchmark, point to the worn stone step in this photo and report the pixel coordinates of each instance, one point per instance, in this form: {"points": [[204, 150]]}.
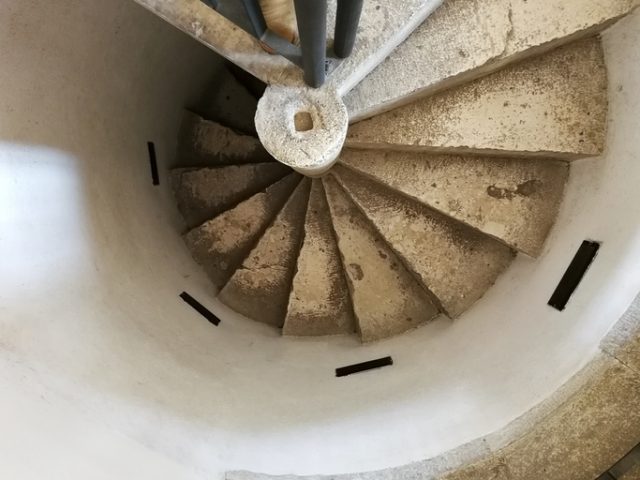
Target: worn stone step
{"points": [[456, 263], [203, 193], [319, 303], [221, 244], [466, 39], [387, 299], [203, 143], [554, 105], [513, 200], [259, 288], [228, 102]]}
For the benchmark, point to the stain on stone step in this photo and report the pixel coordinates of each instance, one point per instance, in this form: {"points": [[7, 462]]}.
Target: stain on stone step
{"points": [[525, 189]]}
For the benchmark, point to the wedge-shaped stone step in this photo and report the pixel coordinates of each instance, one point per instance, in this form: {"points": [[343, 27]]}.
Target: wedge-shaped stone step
{"points": [[465, 39], [227, 101], [205, 143], [260, 288], [319, 303], [553, 105], [387, 299], [203, 193], [513, 200], [220, 245], [456, 263]]}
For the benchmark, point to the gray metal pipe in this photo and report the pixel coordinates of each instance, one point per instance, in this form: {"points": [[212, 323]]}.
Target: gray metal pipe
{"points": [[347, 20], [254, 12], [312, 29]]}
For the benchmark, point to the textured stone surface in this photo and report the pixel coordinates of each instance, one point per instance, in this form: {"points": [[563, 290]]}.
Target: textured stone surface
{"points": [[431, 60], [540, 25], [460, 36], [203, 193], [260, 288], [319, 303], [554, 105], [310, 152], [457, 264], [206, 143], [220, 245], [513, 200], [386, 299], [383, 26], [623, 342]]}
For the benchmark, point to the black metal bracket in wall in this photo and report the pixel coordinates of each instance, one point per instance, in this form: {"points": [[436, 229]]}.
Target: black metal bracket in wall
{"points": [[201, 309], [364, 366], [574, 274]]}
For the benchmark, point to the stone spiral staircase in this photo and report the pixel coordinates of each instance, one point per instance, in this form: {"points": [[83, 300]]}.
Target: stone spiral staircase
{"points": [[427, 204], [455, 161]]}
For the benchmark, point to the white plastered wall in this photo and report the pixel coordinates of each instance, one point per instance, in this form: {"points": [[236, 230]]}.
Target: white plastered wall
{"points": [[105, 373]]}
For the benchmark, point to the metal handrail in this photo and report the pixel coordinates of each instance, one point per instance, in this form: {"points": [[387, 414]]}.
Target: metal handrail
{"points": [[311, 17]]}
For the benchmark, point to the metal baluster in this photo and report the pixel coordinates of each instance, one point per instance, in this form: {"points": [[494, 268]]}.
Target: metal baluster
{"points": [[254, 12], [312, 28], [212, 3], [347, 20]]}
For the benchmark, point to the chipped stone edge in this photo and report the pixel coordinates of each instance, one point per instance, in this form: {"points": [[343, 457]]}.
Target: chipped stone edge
{"points": [[463, 150], [483, 454]]}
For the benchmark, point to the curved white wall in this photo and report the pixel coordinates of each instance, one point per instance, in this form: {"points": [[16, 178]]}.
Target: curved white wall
{"points": [[105, 373]]}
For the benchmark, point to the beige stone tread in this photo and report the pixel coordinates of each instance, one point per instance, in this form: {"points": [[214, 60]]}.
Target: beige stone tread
{"points": [[513, 200], [205, 192], [554, 105], [221, 244], [260, 288], [319, 303], [387, 299], [465, 39], [456, 263], [206, 143]]}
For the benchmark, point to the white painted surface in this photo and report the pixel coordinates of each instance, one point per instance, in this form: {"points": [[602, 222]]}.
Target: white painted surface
{"points": [[105, 373]]}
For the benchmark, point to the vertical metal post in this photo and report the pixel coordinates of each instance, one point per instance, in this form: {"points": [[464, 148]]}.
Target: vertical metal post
{"points": [[254, 12], [347, 20], [212, 3], [312, 29]]}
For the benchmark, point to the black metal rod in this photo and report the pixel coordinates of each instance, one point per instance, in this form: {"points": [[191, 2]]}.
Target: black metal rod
{"points": [[347, 20], [312, 29], [212, 3], [254, 12]]}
